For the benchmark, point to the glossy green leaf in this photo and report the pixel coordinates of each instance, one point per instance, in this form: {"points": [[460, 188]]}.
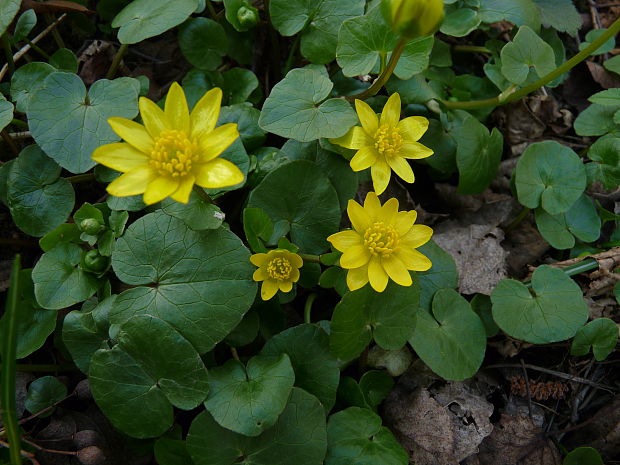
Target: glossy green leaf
{"points": [[84, 332], [607, 98], [301, 196], [442, 275], [526, 50], [477, 156], [596, 120], [362, 316], [298, 437], [170, 451], [481, 304], [6, 112], [203, 43], [363, 40], [594, 34], [318, 23], [605, 153], [246, 117], [550, 175], [58, 280], [519, 12], [297, 108], [248, 400], [460, 21], [43, 393], [613, 64], [8, 11], [600, 334], [257, 227], [67, 232], [69, 123], [142, 19], [34, 324], [138, 373], [561, 15], [24, 25], [355, 435], [38, 198], [64, 60], [318, 374], [452, 339], [551, 310], [200, 282], [583, 456], [196, 214]]}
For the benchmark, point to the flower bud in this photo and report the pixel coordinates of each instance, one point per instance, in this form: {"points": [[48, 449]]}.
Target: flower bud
{"points": [[247, 16], [94, 262], [413, 18], [90, 226]]}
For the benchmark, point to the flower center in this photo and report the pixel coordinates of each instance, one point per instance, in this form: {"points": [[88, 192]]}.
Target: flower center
{"points": [[388, 140], [173, 154], [381, 239], [279, 268]]}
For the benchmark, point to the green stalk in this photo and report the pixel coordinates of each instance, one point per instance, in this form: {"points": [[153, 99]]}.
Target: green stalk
{"points": [[116, 61], [291, 54], [507, 97], [306, 257], [81, 178], [7, 372], [212, 11], [206, 198], [8, 53], [384, 76], [308, 308], [588, 264], [471, 49]]}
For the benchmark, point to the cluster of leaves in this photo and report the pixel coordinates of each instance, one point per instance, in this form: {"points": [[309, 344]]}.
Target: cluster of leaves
{"points": [[179, 275]]}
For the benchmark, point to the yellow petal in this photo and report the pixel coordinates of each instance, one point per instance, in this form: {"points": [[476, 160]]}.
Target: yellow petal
{"points": [[259, 259], [354, 257], [413, 259], [219, 173], [120, 157], [357, 278], [367, 117], [132, 183], [294, 277], [403, 221], [344, 239], [160, 188], [391, 111], [132, 132], [355, 139], [294, 259], [206, 112], [260, 274], [359, 218], [215, 142], [364, 158], [380, 173], [401, 168], [389, 211], [412, 128], [418, 235], [376, 275], [154, 118], [372, 205], [414, 151], [184, 190], [268, 289], [396, 270], [176, 108], [285, 286]]}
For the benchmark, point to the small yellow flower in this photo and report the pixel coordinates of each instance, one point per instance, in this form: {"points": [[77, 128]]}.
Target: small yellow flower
{"points": [[381, 245], [413, 18], [278, 269], [384, 144], [172, 151]]}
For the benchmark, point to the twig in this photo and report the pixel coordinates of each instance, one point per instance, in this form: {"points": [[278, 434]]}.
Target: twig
{"points": [[23, 453], [559, 374], [527, 388], [26, 48], [51, 451], [120, 53]]}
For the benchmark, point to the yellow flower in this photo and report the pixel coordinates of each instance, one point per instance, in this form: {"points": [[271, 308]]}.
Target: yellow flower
{"points": [[172, 151], [278, 269], [384, 144], [413, 18], [381, 245]]}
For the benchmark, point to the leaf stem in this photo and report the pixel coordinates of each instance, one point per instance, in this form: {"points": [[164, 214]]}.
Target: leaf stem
{"points": [[55, 34], [7, 372], [310, 258], [308, 308], [291, 54], [37, 49], [211, 9], [8, 53], [19, 122], [517, 220], [507, 97], [206, 198], [471, 49], [384, 76], [81, 178], [120, 53]]}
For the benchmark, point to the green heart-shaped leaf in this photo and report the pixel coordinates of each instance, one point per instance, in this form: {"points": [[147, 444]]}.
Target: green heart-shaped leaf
{"points": [[600, 334]]}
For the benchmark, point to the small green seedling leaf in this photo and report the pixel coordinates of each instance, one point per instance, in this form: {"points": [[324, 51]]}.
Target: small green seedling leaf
{"points": [[601, 334], [583, 456], [43, 393], [527, 50]]}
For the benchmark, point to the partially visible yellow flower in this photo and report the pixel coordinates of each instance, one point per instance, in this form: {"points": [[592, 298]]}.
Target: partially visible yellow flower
{"points": [[278, 269], [413, 18], [381, 244], [384, 144], [172, 151]]}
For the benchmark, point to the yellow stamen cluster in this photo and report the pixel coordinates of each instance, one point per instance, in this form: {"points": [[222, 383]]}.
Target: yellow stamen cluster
{"points": [[173, 154], [381, 239], [279, 268], [388, 140]]}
